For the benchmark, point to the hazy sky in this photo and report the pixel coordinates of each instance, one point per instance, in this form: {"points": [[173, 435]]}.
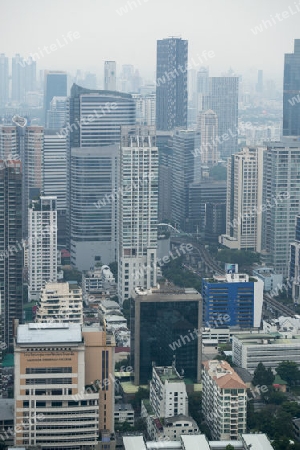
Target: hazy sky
{"points": [[221, 26]]}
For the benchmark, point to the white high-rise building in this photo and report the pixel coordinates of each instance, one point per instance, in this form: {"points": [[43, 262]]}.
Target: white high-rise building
{"points": [[110, 75], [42, 245], [224, 403], [209, 133], [244, 200], [138, 210]]}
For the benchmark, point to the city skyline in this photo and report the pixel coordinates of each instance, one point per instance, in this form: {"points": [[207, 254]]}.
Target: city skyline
{"points": [[72, 45]]}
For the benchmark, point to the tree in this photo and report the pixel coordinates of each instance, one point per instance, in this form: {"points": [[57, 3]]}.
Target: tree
{"points": [[229, 447], [289, 372], [262, 376]]}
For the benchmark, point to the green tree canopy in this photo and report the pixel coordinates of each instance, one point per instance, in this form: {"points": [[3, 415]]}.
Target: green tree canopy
{"points": [[289, 372], [263, 376]]}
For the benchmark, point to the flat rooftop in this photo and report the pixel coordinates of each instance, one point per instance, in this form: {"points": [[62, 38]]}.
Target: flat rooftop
{"points": [[168, 373], [49, 333], [267, 339]]}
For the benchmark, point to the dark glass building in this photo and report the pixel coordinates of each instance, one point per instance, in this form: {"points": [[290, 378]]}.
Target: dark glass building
{"points": [[55, 86], [171, 84], [11, 249], [165, 328], [291, 89]]}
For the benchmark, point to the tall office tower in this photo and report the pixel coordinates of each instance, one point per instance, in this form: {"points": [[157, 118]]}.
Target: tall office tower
{"points": [[31, 141], [291, 89], [223, 100], [201, 195], [93, 205], [55, 85], [110, 76], [57, 114], [4, 79], [165, 327], [9, 148], [138, 210], [282, 199], [60, 302], [165, 156], [171, 84], [11, 249], [244, 200], [96, 117], [67, 396], [260, 82], [42, 245], [202, 88], [54, 164], [224, 403], [233, 296], [18, 79], [184, 172], [294, 269], [209, 133]]}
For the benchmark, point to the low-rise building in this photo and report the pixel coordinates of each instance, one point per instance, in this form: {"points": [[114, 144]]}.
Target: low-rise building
{"points": [[224, 402], [269, 348], [124, 412], [270, 278]]}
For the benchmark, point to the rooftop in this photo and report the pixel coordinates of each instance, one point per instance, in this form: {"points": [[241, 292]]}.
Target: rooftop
{"points": [[267, 339], [49, 333], [223, 374], [168, 373]]}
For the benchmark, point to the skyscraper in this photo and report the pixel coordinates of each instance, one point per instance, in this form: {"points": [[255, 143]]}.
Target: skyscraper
{"points": [[244, 200], [96, 117], [54, 164], [110, 78], [202, 87], [18, 79], [223, 100], [4, 79], [11, 246], [93, 205], [9, 148], [209, 133], [138, 210], [294, 268], [42, 245], [184, 172], [282, 196], [57, 114], [55, 85], [291, 87], [171, 84]]}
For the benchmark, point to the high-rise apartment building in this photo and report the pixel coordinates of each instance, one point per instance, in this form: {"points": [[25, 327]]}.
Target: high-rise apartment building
{"points": [[291, 89], [224, 403], [96, 116], [60, 302], [223, 100], [281, 197], [11, 247], [64, 390], [171, 83], [93, 205], [42, 244], [184, 172], [55, 85], [232, 300], [165, 327], [9, 148], [209, 132], [244, 200], [138, 210], [110, 76], [54, 166], [165, 157], [4, 79]]}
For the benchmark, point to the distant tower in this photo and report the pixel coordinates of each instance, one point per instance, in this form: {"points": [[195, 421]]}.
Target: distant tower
{"points": [[260, 82], [171, 84], [138, 210], [55, 85], [110, 75], [202, 87], [209, 133], [291, 90], [42, 245], [4, 79]]}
